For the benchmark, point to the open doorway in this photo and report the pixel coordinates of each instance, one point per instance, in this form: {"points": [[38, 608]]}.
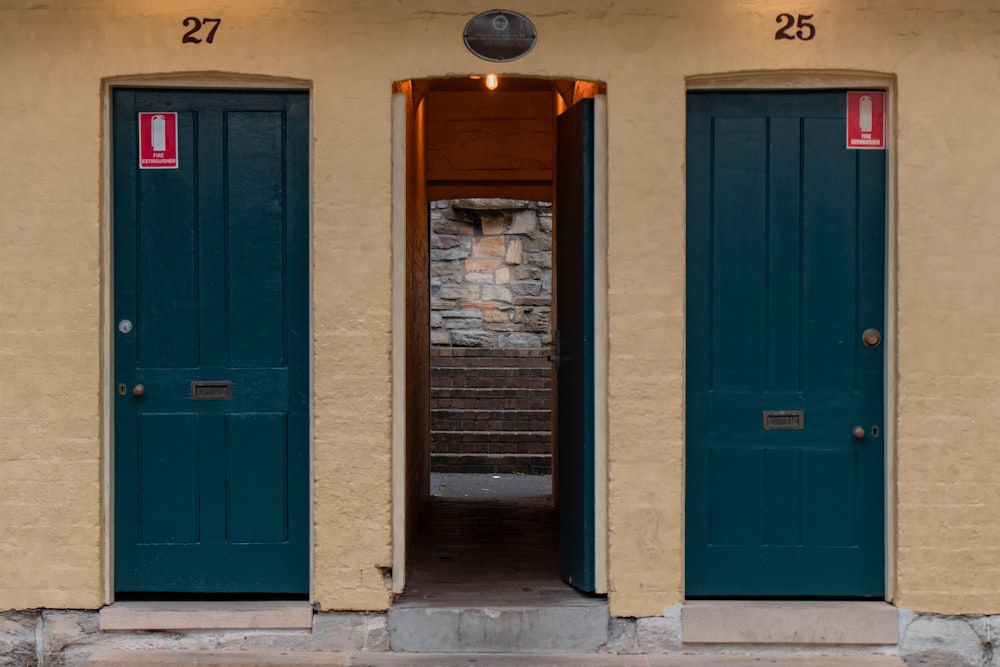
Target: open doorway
{"points": [[490, 346], [492, 176]]}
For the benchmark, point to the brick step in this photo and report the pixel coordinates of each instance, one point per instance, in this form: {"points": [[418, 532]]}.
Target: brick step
{"points": [[477, 399], [489, 427], [487, 447], [491, 405], [467, 354], [496, 437], [491, 420], [490, 372], [476, 382], [528, 464], [480, 414], [490, 392]]}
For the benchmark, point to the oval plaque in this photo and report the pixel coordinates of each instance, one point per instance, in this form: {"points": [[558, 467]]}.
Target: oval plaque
{"points": [[499, 35]]}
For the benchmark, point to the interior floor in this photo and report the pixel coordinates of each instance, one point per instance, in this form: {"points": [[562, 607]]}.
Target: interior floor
{"points": [[487, 551]]}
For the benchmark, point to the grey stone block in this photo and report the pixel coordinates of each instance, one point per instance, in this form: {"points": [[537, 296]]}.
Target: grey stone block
{"points": [[658, 634], [445, 241], [524, 222], [496, 293], [621, 636], [944, 641], [545, 222], [447, 268], [339, 631], [449, 254], [376, 633], [526, 288], [538, 243], [17, 638], [518, 339], [525, 273], [471, 338], [69, 637], [455, 227], [463, 323], [542, 259], [440, 338], [470, 292]]}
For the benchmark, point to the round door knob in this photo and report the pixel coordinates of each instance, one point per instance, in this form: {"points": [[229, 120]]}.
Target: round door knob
{"points": [[139, 391], [858, 432], [871, 338]]}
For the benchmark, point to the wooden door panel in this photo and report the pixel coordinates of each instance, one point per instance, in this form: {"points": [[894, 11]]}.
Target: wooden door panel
{"points": [[785, 270], [574, 295], [211, 268]]}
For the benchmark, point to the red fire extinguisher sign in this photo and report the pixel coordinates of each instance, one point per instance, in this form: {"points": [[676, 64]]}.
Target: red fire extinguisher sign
{"points": [[157, 140], [866, 119]]}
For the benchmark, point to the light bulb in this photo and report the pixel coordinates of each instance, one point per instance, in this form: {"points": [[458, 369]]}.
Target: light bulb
{"points": [[492, 81]]}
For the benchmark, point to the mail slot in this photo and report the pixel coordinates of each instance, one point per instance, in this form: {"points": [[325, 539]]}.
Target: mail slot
{"points": [[784, 420], [212, 391]]}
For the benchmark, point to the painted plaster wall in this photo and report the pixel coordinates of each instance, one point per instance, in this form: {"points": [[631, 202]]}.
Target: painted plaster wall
{"points": [[945, 55]]}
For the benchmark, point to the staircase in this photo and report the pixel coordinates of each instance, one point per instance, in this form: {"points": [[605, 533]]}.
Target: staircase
{"points": [[491, 410]]}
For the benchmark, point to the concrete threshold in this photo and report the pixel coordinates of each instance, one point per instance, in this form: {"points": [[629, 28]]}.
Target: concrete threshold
{"points": [[793, 622], [137, 658], [500, 628], [208, 615]]}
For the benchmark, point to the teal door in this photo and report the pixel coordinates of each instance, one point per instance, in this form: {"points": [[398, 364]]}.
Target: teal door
{"points": [[574, 292], [785, 282], [211, 345]]}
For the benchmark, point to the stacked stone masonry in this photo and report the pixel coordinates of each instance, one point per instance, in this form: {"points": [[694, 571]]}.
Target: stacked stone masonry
{"points": [[491, 273], [491, 410]]}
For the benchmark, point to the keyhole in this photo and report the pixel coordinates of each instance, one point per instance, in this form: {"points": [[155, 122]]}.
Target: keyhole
{"points": [[874, 431], [121, 389]]}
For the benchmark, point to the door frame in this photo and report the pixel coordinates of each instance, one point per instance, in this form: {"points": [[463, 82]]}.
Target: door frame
{"points": [[806, 80], [400, 169], [107, 398]]}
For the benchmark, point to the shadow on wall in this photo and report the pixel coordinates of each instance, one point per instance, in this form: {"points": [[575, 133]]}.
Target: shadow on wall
{"points": [[491, 304]]}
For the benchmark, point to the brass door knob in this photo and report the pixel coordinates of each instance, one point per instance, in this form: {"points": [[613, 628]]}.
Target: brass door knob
{"points": [[139, 391], [858, 432]]}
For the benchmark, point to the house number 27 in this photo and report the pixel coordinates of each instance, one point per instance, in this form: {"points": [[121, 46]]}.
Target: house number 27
{"points": [[195, 25], [805, 32]]}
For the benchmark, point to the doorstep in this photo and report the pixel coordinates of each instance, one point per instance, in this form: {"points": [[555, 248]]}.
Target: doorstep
{"points": [[792, 622], [209, 615], [136, 658]]}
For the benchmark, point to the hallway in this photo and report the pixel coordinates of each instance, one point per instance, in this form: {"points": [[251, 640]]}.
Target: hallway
{"points": [[477, 546]]}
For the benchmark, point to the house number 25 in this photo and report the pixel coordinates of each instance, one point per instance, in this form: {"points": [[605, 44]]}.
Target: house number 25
{"points": [[805, 32], [195, 26]]}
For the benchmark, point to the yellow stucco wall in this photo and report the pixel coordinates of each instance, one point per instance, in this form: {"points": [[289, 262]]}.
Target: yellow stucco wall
{"points": [[944, 55]]}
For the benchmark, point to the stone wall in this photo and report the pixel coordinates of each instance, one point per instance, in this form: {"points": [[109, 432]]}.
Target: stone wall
{"points": [[491, 273]]}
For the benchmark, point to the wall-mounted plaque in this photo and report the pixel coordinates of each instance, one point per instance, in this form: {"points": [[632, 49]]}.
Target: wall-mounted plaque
{"points": [[500, 35]]}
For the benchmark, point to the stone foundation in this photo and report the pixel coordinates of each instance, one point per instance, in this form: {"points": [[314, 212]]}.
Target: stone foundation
{"points": [[66, 638]]}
